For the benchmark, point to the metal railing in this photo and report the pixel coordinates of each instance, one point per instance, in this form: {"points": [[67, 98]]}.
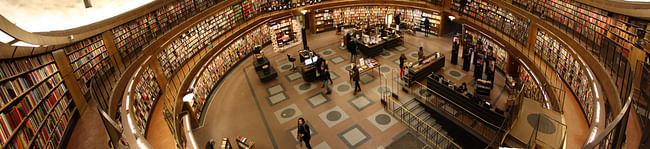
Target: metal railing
{"points": [[438, 139]]}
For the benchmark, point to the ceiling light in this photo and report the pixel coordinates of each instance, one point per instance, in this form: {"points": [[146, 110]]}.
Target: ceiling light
{"points": [[452, 18], [303, 11], [5, 38], [189, 97], [23, 44], [87, 4]]}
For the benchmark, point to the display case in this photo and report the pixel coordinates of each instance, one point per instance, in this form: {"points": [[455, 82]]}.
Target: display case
{"points": [[37, 108], [144, 97]]}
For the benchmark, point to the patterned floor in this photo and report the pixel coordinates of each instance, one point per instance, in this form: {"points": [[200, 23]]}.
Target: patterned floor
{"points": [[267, 112]]}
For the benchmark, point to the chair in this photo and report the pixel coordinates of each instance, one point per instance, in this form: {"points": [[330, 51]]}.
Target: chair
{"points": [[292, 60]]}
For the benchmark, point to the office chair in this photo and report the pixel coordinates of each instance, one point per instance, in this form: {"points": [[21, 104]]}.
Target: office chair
{"points": [[292, 60]]}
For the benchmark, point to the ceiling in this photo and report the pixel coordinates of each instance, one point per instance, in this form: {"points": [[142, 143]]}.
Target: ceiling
{"points": [[52, 15]]}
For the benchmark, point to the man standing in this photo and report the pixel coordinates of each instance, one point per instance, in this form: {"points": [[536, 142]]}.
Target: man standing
{"points": [[454, 51], [355, 78], [426, 27]]}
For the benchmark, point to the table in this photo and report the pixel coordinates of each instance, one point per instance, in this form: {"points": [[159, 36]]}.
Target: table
{"points": [[372, 50], [424, 67]]}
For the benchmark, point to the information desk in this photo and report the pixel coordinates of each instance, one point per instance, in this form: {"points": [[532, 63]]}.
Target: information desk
{"points": [[477, 106], [419, 70], [372, 50]]}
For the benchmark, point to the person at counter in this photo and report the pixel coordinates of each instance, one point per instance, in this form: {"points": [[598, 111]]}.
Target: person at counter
{"points": [[402, 65], [462, 88], [420, 54]]}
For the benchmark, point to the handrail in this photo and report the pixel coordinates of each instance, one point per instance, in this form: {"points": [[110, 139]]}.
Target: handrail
{"points": [[426, 124], [620, 117], [463, 108]]}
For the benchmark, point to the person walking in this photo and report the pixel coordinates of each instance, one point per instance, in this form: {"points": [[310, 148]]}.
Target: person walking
{"points": [[325, 75], [356, 78], [352, 47], [304, 134], [426, 27], [402, 65], [210, 144]]}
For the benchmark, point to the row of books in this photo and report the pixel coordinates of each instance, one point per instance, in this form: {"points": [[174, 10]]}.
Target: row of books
{"points": [[324, 20], [593, 23], [530, 88], [145, 94], [514, 26], [85, 69], [97, 46], [79, 62], [412, 18], [283, 30], [22, 85], [54, 128], [85, 79], [30, 122], [136, 33], [81, 45], [174, 56], [567, 67], [500, 54], [14, 67], [221, 64]]}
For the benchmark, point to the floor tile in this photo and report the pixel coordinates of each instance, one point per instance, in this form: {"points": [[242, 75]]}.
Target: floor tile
{"points": [[401, 48], [277, 98], [317, 100], [380, 89], [337, 60], [354, 136], [386, 54], [322, 145], [342, 88], [275, 89], [385, 69], [326, 53], [382, 120], [456, 74], [293, 76], [412, 55], [287, 113], [333, 116], [305, 87], [366, 78], [360, 102], [284, 67]]}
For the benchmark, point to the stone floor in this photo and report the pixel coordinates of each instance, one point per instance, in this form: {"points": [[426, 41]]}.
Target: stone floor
{"points": [[267, 112]]}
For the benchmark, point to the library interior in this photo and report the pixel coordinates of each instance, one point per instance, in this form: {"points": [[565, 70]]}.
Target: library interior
{"points": [[406, 74]]}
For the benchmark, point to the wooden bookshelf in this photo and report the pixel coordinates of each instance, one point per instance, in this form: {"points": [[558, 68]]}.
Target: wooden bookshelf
{"points": [[135, 34], [282, 31], [323, 20], [530, 88], [411, 19], [33, 95], [87, 58], [500, 55], [220, 65], [514, 26], [144, 96], [176, 54], [568, 68], [594, 24]]}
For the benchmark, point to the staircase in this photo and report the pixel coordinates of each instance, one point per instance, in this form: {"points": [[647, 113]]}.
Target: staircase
{"points": [[418, 118]]}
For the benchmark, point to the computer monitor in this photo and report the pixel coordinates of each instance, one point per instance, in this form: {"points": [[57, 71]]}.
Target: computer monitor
{"points": [[314, 59], [308, 61]]}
